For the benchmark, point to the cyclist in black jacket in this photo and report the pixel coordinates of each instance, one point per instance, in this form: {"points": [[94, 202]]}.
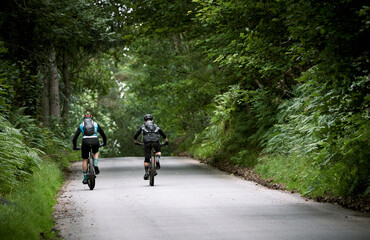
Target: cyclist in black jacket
{"points": [[151, 134], [89, 140]]}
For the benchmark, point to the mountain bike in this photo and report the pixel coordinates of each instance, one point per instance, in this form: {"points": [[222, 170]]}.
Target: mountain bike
{"points": [[152, 164], [90, 169]]}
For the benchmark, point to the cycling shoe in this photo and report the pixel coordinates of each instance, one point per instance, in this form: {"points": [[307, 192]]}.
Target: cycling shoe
{"points": [[96, 170], [84, 181], [146, 176]]}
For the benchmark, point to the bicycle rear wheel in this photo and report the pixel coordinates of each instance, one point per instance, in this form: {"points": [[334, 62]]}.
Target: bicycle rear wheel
{"points": [[152, 171], [91, 174]]}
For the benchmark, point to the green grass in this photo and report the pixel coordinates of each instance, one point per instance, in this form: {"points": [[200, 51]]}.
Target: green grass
{"points": [[300, 173], [30, 214], [290, 171]]}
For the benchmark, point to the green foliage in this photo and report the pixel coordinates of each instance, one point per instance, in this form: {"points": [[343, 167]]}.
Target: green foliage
{"points": [[95, 77], [13, 93], [32, 158], [8, 74], [78, 31], [330, 126], [249, 41], [18, 161], [24, 145], [30, 207], [227, 135]]}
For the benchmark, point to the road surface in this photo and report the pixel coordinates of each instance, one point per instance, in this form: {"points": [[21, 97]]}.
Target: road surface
{"points": [[191, 200]]}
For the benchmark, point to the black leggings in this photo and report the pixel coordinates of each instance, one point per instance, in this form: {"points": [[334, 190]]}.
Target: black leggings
{"points": [[148, 149]]}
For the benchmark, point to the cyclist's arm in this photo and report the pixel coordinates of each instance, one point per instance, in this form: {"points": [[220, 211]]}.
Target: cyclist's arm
{"points": [[102, 134], [137, 134], [77, 133], [162, 134]]}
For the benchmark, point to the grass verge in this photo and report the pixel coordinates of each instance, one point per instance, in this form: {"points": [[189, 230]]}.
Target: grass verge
{"points": [[27, 214], [294, 172]]}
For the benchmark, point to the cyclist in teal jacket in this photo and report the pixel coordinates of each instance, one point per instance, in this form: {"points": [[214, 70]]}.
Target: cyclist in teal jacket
{"points": [[90, 140]]}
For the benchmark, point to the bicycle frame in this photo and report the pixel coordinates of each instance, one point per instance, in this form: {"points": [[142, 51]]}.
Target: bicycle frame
{"points": [[90, 169], [152, 164]]}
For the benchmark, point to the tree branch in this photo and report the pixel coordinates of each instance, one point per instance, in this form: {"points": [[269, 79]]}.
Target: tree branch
{"points": [[81, 65]]}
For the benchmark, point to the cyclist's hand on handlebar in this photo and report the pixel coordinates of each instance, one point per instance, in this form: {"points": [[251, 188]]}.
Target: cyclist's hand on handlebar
{"points": [[166, 143]]}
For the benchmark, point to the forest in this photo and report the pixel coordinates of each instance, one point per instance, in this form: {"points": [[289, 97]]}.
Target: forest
{"points": [[277, 87]]}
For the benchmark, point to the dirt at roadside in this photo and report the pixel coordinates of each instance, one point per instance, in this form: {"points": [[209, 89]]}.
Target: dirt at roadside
{"points": [[358, 203]]}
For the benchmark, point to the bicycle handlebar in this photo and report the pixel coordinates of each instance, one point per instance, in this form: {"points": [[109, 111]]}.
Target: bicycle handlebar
{"points": [[78, 148], [142, 144]]}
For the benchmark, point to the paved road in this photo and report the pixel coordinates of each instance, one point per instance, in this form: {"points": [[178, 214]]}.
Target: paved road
{"points": [[193, 201]]}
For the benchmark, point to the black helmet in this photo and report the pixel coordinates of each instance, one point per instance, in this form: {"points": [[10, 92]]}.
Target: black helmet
{"points": [[148, 117]]}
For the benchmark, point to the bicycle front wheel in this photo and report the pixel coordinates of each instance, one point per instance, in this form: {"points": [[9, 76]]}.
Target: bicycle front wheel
{"points": [[91, 177]]}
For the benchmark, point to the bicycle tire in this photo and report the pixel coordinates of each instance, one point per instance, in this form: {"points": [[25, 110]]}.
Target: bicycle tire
{"points": [[91, 177], [152, 171]]}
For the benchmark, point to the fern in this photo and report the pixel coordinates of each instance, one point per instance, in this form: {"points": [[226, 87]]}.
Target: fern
{"points": [[17, 159], [329, 126]]}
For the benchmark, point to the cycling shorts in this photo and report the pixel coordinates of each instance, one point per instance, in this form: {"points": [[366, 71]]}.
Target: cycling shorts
{"points": [[87, 144], [148, 149]]}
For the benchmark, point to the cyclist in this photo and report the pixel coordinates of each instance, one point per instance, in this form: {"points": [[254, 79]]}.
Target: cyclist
{"points": [[151, 134], [90, 140]]}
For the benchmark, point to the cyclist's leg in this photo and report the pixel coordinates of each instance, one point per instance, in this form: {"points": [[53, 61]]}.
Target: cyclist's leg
{"points": [[148, 155], [95, 150], [157, 149], [85, 149], [96, 156], [84, 165]]}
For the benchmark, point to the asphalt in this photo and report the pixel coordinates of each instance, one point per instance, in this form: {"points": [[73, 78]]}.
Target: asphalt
{"points": [[191, 200]]}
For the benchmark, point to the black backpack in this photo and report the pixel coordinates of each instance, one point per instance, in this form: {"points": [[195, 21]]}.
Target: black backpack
{"points": [[150, 132], [88, 127]]}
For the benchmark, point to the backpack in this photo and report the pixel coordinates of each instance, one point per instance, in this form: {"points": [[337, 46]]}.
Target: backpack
{"points": [[150, 132], [88, 127], [150, 127]]}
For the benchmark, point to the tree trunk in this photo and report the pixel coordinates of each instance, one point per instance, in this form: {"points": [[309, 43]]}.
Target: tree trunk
{"points": [[45, 102], [54, 86], [67, 88]]}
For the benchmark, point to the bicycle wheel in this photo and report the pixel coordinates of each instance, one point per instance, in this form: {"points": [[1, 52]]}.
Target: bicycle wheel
{"points": [[152, 171], [91, 174]]}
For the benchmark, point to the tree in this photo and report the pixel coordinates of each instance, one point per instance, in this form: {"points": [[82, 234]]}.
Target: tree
{"points": [[64, 35]]}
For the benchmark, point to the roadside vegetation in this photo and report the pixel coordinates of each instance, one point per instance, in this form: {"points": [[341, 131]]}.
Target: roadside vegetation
{"points": [[32, 160], [27, 211], [278, 87]]}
